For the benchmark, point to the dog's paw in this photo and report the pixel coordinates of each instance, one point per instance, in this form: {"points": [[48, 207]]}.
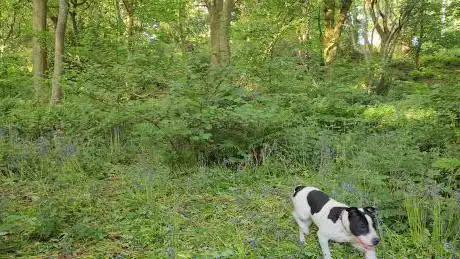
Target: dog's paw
{"points": [[302, 241]]}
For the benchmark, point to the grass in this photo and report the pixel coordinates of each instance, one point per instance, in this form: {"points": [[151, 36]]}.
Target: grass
{"points": [[149, 211]]}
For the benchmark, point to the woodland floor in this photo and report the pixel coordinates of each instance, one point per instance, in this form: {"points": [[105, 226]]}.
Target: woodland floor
{"points": [[152, 212]]}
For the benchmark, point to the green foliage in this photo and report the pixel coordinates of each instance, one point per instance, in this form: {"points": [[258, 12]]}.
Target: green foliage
{"points": [[150, 156]]}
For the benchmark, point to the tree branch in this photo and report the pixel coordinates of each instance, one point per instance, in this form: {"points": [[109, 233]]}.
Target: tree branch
{"points": [[370, 4]]}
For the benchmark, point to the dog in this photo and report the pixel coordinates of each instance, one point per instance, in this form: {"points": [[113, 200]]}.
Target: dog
{"points": [[335, 221]]}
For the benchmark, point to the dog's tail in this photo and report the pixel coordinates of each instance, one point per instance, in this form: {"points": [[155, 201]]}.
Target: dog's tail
{"points": [[298, 189]]}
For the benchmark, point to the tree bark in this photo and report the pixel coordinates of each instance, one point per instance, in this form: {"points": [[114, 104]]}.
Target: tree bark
{"points": [[420, 40], [443, 17], [418, 48], [366, 49], [129, 8], [74, 4], [219, 23], [73, 18], [321, 37], [56, 93], [333, 28], [225, 35], [39, 65], [304, 31]]}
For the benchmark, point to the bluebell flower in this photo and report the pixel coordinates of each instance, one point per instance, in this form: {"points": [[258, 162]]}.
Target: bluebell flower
{"points": [[349, 187], [142, 187], [252, 243], [171, 252], [279, 235], [119, 256], [225, 162], [137, 184], [457, 196], [68, 151], [185, 214], [42, 146], [149, 174], [447, 246], [168, 228]]}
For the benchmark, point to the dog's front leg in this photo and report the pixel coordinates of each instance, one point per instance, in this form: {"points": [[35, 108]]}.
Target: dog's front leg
{"points": [[324, 243], [371, 254]]}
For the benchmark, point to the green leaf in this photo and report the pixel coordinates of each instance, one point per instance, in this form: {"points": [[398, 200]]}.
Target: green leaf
{"points": [[447, 163]]}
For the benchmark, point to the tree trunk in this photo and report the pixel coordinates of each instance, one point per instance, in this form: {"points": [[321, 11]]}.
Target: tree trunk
{"points": [[333, 29], [388, 25], [215, 13], [366, 49], [129, 31], [56, 93], [418, 48], [321, 37], [73, 18], [74, 27], [225, 35], [129, 8], [443, 17], [388, 44], [219, 23], [39, 64], [74, 4], [304, 32]]}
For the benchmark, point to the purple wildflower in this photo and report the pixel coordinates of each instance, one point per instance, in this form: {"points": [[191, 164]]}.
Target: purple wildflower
{"points": [[349, 187], [42, 146], [171, 252], [252, 243], [68, 151], [279, 235], [119, 256], [457, 196], [447, 246], [226, 162], [185, 214]]}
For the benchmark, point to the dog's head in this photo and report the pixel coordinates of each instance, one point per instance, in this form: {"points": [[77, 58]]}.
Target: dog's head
{"points": [[361, 222]]}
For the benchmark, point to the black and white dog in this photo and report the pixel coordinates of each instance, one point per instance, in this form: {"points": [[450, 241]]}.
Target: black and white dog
{"points": [[335, 221]]}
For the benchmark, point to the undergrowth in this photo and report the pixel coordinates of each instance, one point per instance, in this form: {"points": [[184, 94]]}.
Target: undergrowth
{"points": [[203, 170]]}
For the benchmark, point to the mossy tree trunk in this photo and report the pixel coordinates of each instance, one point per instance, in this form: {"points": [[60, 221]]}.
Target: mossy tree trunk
{"points": [[39, 64]]}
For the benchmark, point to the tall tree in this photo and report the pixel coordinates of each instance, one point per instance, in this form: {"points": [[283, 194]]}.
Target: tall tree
{"points": [[304, 32], [420, 38], [334, 23], [359, 30], [388, 22], [56, 93], [73, 7], [39, 65], [129, 9], [219, 23]]}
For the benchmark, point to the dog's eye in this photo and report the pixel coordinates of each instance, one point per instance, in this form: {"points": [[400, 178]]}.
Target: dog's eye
{"points": [[363, 225]]}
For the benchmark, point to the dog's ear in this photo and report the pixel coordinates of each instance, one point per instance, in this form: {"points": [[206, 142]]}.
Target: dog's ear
{"points": [[352, 210], [370, 210]]}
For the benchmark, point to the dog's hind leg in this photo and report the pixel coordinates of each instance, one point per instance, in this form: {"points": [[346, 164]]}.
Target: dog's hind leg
{"points": [[304, 227], [324, 243]]}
